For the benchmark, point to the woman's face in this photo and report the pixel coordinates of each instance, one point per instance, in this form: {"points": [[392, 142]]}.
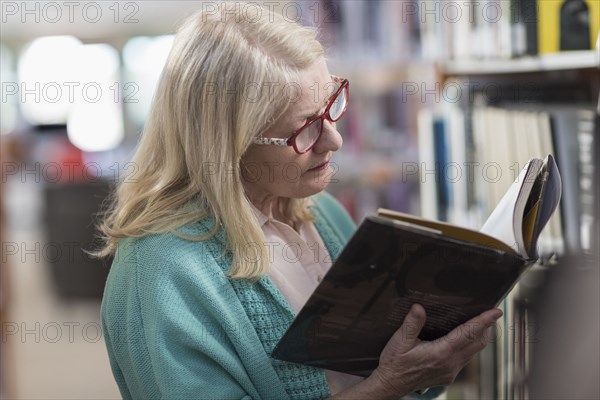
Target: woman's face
{"points": [[278, 171]]}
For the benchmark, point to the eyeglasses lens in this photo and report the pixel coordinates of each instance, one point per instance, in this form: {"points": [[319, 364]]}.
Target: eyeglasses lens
{"points": [[309, 135], [338, 106]]}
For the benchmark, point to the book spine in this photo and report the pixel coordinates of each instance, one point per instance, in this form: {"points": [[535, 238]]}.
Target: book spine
{"points": [[564, 124], [586, 139], [529, 18], [567, 25], [596, 192], [428, 187], [441, 163]]}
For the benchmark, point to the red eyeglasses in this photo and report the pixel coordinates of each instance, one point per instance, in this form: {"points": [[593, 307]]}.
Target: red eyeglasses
{"points": [[304, 139]]}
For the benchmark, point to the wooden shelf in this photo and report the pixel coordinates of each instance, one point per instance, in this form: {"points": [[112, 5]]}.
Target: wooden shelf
{"points": [[371, 77], [585, 59]]}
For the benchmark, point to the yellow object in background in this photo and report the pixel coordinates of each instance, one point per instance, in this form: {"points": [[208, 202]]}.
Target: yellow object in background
{"points": [[549, 24]]}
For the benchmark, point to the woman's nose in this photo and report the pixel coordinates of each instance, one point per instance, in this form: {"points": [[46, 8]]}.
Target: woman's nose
{"points": [[330, 139]]}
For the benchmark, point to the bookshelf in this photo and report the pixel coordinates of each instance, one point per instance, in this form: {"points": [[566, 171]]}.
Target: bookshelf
{"points": [[558, 87], [583, 59], [382, 46], [506, 83]]}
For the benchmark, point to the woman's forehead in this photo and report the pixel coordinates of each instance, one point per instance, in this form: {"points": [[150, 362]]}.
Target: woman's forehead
{"points": [[316, 88]]}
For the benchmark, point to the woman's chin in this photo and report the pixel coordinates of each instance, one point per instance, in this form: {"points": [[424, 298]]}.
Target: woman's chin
{"points": [[313, 187]]}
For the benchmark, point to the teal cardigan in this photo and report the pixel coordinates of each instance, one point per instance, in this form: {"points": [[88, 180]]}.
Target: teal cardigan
{"points": [[176, 327]]}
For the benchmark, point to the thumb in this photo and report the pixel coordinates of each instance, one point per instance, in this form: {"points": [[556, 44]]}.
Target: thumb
{"points": [[412, 325]]}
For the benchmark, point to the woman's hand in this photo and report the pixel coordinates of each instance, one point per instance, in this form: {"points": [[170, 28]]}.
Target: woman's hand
{"points": [[408, 364]]}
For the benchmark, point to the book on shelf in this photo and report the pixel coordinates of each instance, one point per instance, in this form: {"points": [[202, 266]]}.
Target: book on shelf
{"points": [[365, 32], [510, 135], [524, 27], [565, 25], [493, 30], [572, 126], [587, 139], [494, 142], [394, 260]]}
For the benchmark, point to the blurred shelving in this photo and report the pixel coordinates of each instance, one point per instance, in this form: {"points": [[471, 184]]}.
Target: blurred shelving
{"points": [[385, 62], [583, 59]]}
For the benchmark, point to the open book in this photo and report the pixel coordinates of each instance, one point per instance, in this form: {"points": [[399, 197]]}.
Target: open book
{"points": [[394, 260]]}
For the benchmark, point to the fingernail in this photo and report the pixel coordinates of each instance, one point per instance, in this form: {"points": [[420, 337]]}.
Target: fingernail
{"points": [[498, 314]]}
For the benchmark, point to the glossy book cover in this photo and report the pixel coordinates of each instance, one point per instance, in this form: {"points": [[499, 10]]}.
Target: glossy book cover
{"points": [[387, 266]]}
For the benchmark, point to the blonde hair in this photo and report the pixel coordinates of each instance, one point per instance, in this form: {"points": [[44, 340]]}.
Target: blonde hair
{"points": [[204, 116]]}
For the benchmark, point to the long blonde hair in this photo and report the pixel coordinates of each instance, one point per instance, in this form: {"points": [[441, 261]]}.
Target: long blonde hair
{"points": [[224, 83]]}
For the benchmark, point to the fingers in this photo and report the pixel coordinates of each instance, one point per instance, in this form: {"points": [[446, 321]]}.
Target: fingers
{"points": [[488, 317], [408, 362], [411, 326], [414, 322], [473, 333], [475, 326], [477, 344]]}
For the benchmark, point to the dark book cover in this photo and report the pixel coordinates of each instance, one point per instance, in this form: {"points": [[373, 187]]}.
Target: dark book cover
{"points": [[386, 267]]}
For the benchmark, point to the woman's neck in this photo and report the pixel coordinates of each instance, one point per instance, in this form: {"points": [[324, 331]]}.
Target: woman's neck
{"points": [[269, 206], [266, 203]]}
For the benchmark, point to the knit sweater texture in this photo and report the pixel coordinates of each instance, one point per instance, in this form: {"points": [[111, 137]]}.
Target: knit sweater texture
{"points": [[176, 327]]}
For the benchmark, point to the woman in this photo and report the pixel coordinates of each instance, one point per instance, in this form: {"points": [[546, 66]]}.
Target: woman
{"points": [[230, 169]]}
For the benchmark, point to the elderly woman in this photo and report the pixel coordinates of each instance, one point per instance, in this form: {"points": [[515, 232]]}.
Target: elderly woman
{"points": [[230, 168]]}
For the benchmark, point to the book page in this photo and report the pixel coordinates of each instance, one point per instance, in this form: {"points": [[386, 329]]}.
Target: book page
{"points": [[551, 196], [517, 220], [506, 221], [529, 225], [460, 233]]}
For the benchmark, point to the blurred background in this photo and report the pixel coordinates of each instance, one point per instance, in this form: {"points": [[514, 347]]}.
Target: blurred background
{"points": [[448, 100]]}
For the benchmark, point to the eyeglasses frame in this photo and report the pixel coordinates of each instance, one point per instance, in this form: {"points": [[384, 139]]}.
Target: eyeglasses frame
{"points": [[291, 140]]}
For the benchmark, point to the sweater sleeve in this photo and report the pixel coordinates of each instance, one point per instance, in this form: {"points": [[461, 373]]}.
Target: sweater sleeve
{"points": [[169, 329]]}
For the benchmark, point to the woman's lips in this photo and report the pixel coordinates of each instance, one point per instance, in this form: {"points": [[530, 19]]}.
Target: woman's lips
{"points": [[320, 166]]}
